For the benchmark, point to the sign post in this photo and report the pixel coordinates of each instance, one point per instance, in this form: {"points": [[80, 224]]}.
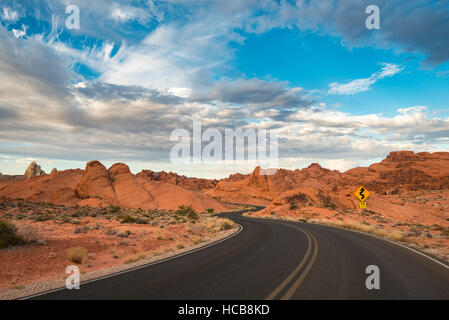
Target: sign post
{"points": [[362, 194]]}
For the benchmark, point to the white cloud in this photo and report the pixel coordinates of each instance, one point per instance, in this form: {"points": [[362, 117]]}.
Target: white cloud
{"points": [[20, 33], [171, 57], [124, 14], [9, 14], [362, 85]]}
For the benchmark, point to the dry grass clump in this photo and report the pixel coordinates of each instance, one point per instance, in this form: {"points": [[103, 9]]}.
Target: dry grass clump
{"points": [[160, 235], [197, 241], [29, 234], [135, 259], [354, 225], [286, 218], [77, 254], [215, 224], [397, 236], [351, 225], [196, 229]]}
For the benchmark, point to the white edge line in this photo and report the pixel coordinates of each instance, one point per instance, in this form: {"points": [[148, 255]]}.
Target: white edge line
{"points": [[388, 240], [364, 233], [139, 267]]}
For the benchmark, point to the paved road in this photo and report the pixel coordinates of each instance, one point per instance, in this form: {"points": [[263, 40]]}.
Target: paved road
{"points": [[279, 260]]}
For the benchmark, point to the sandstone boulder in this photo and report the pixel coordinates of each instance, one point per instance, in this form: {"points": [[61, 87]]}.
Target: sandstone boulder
{"points": [[129, 192], [33, 170], [96, 183]]}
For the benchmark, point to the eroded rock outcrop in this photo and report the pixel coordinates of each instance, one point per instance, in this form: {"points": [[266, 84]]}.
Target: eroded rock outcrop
{"points": [[263, 186], [129, 193], [33, 170], [403, 170], [96, 183], [180, 180]]}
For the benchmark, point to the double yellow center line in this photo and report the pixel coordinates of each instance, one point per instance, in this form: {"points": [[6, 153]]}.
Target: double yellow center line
{"points": [[312, 245]]}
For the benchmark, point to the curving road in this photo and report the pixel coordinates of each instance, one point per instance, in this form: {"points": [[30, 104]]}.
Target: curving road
{"points": [[279, 260]]}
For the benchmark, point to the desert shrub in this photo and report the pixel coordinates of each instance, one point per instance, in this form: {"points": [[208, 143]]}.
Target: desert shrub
{"points": [[142, 221], [135, 259], [326, 201], [125, 234], [226, 225], [197, 241], [413, 232], [298, 200], [210, 210], [8, 235], [186, 211], [84, 229], [128, 219], [111, 232], [77, 254], [180, 246], [114, 209], [44, 217]]}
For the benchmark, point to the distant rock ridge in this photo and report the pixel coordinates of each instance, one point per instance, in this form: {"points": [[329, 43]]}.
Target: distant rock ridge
{"points": [[146, 190], [403, 170], [33, 170], [96, 185], [180, 180]]}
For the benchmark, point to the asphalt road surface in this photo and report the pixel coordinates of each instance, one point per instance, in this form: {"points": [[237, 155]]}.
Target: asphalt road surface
{"points": [[279, 260]]}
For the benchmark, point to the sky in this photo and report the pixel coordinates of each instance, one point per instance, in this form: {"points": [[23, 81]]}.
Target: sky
{"points": [[114, 90]]}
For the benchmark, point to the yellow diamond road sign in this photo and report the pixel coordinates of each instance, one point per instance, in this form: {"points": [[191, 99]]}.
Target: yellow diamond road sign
{"points": [[362, 193]]}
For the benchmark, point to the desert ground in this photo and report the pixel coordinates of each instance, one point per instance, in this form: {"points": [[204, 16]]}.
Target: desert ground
{"points": [[53, 237]]}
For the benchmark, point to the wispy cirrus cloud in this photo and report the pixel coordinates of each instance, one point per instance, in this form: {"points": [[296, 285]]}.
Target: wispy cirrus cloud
{"points": [[364, 84]]}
